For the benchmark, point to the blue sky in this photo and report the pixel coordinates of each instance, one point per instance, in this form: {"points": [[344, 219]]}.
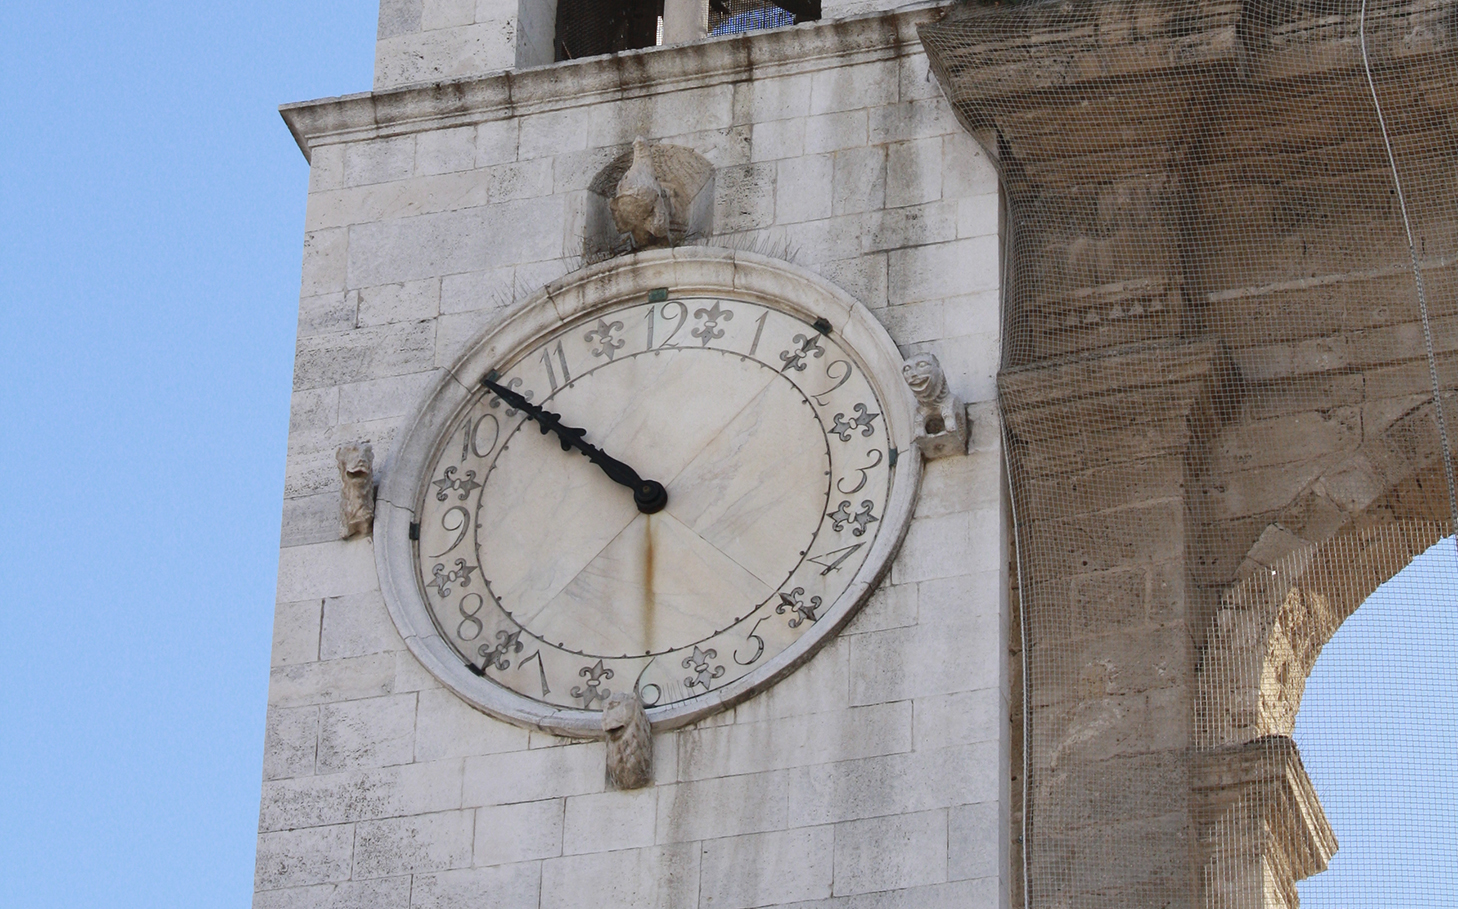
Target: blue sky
{"points": [[153, 208], [1376, 731]]}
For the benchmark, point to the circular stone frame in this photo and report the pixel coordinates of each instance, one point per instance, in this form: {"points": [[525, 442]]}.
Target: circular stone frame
{"points": [[698, 271]]}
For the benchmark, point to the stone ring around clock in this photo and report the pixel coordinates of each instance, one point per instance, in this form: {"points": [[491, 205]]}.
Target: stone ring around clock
{"points": [[699, 275]]}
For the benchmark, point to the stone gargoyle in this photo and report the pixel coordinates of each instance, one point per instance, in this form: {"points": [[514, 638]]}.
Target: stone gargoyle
{"points": [[941, 419]]}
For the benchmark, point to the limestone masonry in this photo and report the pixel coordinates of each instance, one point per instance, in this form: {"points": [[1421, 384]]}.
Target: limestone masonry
{"points": [[877, 770], [1183, 272]]}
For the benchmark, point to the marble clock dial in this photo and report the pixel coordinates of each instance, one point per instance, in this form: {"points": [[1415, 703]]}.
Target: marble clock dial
{"points": [[543, 575]]}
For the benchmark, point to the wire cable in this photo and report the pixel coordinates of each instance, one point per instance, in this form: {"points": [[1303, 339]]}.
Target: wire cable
{"points": [[1417, 275]]}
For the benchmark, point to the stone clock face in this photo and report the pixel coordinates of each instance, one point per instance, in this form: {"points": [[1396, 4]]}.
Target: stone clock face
{"points": [[766, 402], [545, 578]]}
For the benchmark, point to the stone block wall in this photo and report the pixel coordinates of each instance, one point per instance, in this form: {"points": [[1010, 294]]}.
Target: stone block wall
{"points": [[1217, 394], [430, 40], [877, 774]]}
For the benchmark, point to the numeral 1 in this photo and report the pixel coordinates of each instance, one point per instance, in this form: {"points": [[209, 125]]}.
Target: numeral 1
{"points": [[649, 317], [561, 358], [758, 330]]}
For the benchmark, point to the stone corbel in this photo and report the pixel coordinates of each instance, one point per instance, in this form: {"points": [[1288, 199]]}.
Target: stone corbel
{"points": [[629, 741], [652, 195], [356, 489], [1261, 827]]}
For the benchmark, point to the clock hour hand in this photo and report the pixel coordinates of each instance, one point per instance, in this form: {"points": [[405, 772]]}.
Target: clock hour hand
{"points": [[648, 495]]}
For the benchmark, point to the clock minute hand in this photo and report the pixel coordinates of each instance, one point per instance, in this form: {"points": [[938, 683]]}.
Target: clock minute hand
{"points": [[570, 436], [648, 495]]}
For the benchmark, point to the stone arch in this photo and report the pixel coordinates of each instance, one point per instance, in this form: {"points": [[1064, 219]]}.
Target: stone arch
{"points": [[1350, 493], [1271, 627], [1351, 529]]}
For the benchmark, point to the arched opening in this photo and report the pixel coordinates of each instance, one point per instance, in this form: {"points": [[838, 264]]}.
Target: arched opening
{"points": [[1264, 826], [1261, 818], [1375, 729]]}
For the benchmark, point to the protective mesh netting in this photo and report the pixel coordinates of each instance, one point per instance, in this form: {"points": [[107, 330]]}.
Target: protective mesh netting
{"points": [[586, 28], [1223, 372], [728, 17], [731, 17]]}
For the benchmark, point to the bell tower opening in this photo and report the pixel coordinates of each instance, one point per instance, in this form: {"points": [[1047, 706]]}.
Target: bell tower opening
{"points": [[586, 28]]}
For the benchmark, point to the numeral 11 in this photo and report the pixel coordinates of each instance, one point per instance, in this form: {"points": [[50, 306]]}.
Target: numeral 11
{"points": [[561, 358]]}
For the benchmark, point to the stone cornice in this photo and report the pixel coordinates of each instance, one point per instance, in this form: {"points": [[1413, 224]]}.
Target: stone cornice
{"points": [[510, 93], [1047, 77], [993, 59], [982, 52], [1066, 414], [1073, 380]]}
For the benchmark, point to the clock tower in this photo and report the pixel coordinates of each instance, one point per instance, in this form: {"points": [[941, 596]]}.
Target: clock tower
{"points": [[751, 260]]}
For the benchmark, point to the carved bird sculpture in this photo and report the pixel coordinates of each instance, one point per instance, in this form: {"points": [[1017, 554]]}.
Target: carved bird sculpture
{"points": [[640, 205]]}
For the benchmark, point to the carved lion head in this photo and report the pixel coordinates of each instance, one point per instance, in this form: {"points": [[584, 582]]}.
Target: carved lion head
{"points": [[923, 372]]}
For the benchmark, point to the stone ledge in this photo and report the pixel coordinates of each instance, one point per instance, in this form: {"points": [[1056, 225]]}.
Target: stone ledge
{"points": [[593, 80], [1088, 374], [1174, 389]]}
